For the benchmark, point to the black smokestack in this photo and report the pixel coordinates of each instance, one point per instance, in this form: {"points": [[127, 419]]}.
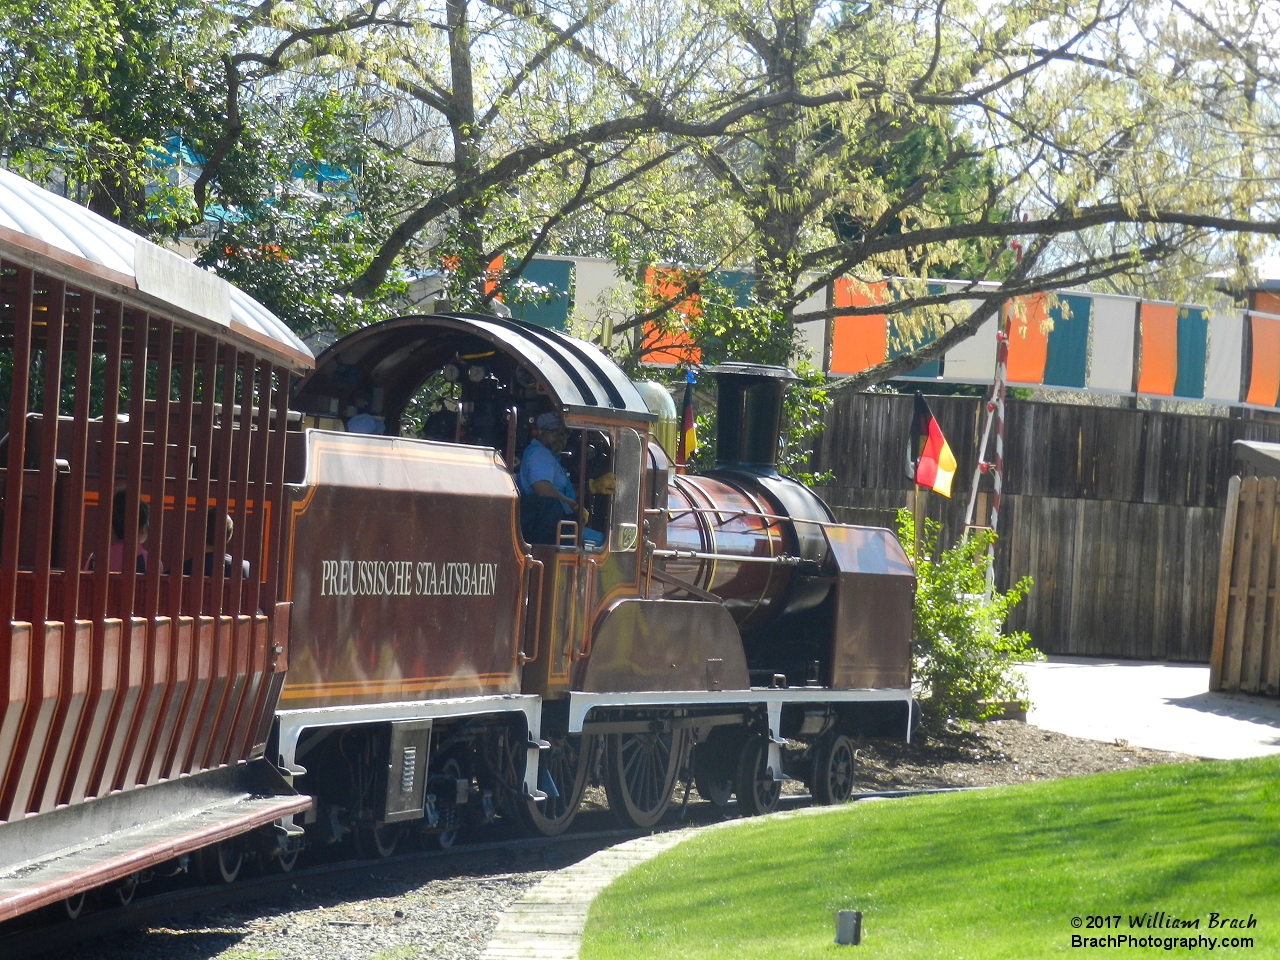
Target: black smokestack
{"points": [[749, 414]]}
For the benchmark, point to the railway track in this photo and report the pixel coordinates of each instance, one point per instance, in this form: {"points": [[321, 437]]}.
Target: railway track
{"points": [[506, 856]]}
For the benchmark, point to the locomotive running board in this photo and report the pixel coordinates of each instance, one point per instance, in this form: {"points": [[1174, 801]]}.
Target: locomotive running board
{"points": [[65, 852]]}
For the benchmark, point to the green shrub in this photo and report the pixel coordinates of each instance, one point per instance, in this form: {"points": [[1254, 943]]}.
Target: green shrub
{"points": [[963, 660]]}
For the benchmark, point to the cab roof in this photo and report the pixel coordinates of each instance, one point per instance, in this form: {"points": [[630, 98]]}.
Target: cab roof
{"points": [[399, 355]]}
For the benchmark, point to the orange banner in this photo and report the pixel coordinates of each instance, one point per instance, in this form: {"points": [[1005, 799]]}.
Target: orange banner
{"points": [[1159, 370], [1028, 341], [1264, 368], [862, 341], [669, 343]]}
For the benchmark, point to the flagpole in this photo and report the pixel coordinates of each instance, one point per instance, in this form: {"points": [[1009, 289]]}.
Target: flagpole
{"points": [[915, 526]]}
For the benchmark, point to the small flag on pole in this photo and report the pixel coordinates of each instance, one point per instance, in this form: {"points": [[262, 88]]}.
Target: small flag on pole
{"points": [[688, 442], [930, 462]]}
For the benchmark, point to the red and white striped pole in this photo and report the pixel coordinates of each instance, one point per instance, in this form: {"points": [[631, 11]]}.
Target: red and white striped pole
{"points": [[993, 416], [1002, 365]]}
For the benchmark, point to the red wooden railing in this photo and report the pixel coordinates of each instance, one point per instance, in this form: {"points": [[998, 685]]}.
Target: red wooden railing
{"points": [[113, 679]]}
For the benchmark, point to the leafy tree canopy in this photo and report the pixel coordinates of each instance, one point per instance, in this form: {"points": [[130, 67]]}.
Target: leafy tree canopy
{"points": [[325, 155]]}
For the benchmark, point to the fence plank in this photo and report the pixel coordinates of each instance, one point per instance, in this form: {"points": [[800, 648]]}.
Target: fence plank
{"points": [[1263, 545], [1233, 654], [1226, 559], [1269, 652]]}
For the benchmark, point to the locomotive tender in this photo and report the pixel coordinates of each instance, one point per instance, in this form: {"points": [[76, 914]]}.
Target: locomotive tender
{"points": [[381, 652]]}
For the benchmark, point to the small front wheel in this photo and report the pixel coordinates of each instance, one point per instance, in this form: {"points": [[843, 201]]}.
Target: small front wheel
{"points": [[758, 792], [832, 776]]}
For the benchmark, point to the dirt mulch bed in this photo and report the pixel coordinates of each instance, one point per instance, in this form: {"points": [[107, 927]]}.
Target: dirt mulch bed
{"points": [[997, 752]]}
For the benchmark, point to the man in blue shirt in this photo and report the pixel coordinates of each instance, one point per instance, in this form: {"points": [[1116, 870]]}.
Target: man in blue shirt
{"points": [[547, 495]]}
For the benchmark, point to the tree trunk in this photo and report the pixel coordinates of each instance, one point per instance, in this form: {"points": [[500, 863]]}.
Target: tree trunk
{"points": [[466, 139]]}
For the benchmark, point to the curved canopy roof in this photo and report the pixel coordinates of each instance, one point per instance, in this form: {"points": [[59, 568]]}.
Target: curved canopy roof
{"points": [[37, 227], [398, 356]]}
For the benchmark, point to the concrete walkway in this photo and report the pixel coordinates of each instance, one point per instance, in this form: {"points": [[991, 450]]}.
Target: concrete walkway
{"points": [[1163, 706], [547, 922]]}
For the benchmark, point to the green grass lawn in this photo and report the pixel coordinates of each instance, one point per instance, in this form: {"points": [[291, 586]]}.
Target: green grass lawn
{"points": [[983, 875]]}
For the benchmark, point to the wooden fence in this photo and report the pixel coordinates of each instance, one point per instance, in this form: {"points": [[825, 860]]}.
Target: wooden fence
{"points": [[1246, 634], [1116, 514]]}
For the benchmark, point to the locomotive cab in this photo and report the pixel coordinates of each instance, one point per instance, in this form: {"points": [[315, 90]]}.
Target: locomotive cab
{"points": [[483, 381]]}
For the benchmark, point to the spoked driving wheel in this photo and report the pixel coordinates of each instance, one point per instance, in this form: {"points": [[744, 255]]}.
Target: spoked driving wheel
{"points": [[757, 791], [640, 772], [832, 777], [565, 767]]}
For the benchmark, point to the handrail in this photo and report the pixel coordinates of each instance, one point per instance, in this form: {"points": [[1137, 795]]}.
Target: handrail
{"points": [[735, 514], [588, 600], [784, 560], [522, 630], [567, 535]]}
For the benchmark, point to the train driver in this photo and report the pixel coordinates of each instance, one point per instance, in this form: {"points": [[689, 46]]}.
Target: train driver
{"points": [[546, 493]]}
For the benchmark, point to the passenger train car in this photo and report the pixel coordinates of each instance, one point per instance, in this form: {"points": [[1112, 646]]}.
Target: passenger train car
{"points": [[310, 636]]}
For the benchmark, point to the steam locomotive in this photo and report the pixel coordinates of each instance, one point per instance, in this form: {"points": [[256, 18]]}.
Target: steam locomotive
{"points": [[235, 628], [723, 614]]}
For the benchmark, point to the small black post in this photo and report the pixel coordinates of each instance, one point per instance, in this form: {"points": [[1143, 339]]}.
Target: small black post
{"points": [[849, 927]]}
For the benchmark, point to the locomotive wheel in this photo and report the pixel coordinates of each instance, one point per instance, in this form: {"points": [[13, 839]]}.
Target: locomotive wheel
{"points": [[74, 905], [123, 891], [376, 841], [222, 861], [448, 834], [711, 774], [757, 791], [286, 861], [640, 773], [447, 837], [567, 764], [832, 777]]}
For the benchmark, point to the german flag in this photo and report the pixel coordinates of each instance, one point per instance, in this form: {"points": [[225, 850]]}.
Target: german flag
{"points": [[930, 462], [688, 441]]}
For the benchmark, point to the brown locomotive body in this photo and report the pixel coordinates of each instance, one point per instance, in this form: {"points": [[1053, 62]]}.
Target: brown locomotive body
{"points": [[372, 647]]}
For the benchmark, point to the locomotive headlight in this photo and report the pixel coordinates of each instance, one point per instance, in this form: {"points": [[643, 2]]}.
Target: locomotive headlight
{"points": [[452, 372], [477, 372]]}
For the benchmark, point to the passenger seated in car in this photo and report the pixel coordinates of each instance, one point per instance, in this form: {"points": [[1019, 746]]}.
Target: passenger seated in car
{"points": [[210, 530], [115, 556], [546, 493]]}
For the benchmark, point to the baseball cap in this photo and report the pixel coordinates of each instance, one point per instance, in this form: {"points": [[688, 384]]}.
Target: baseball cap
{"points": [[548, 421]]}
